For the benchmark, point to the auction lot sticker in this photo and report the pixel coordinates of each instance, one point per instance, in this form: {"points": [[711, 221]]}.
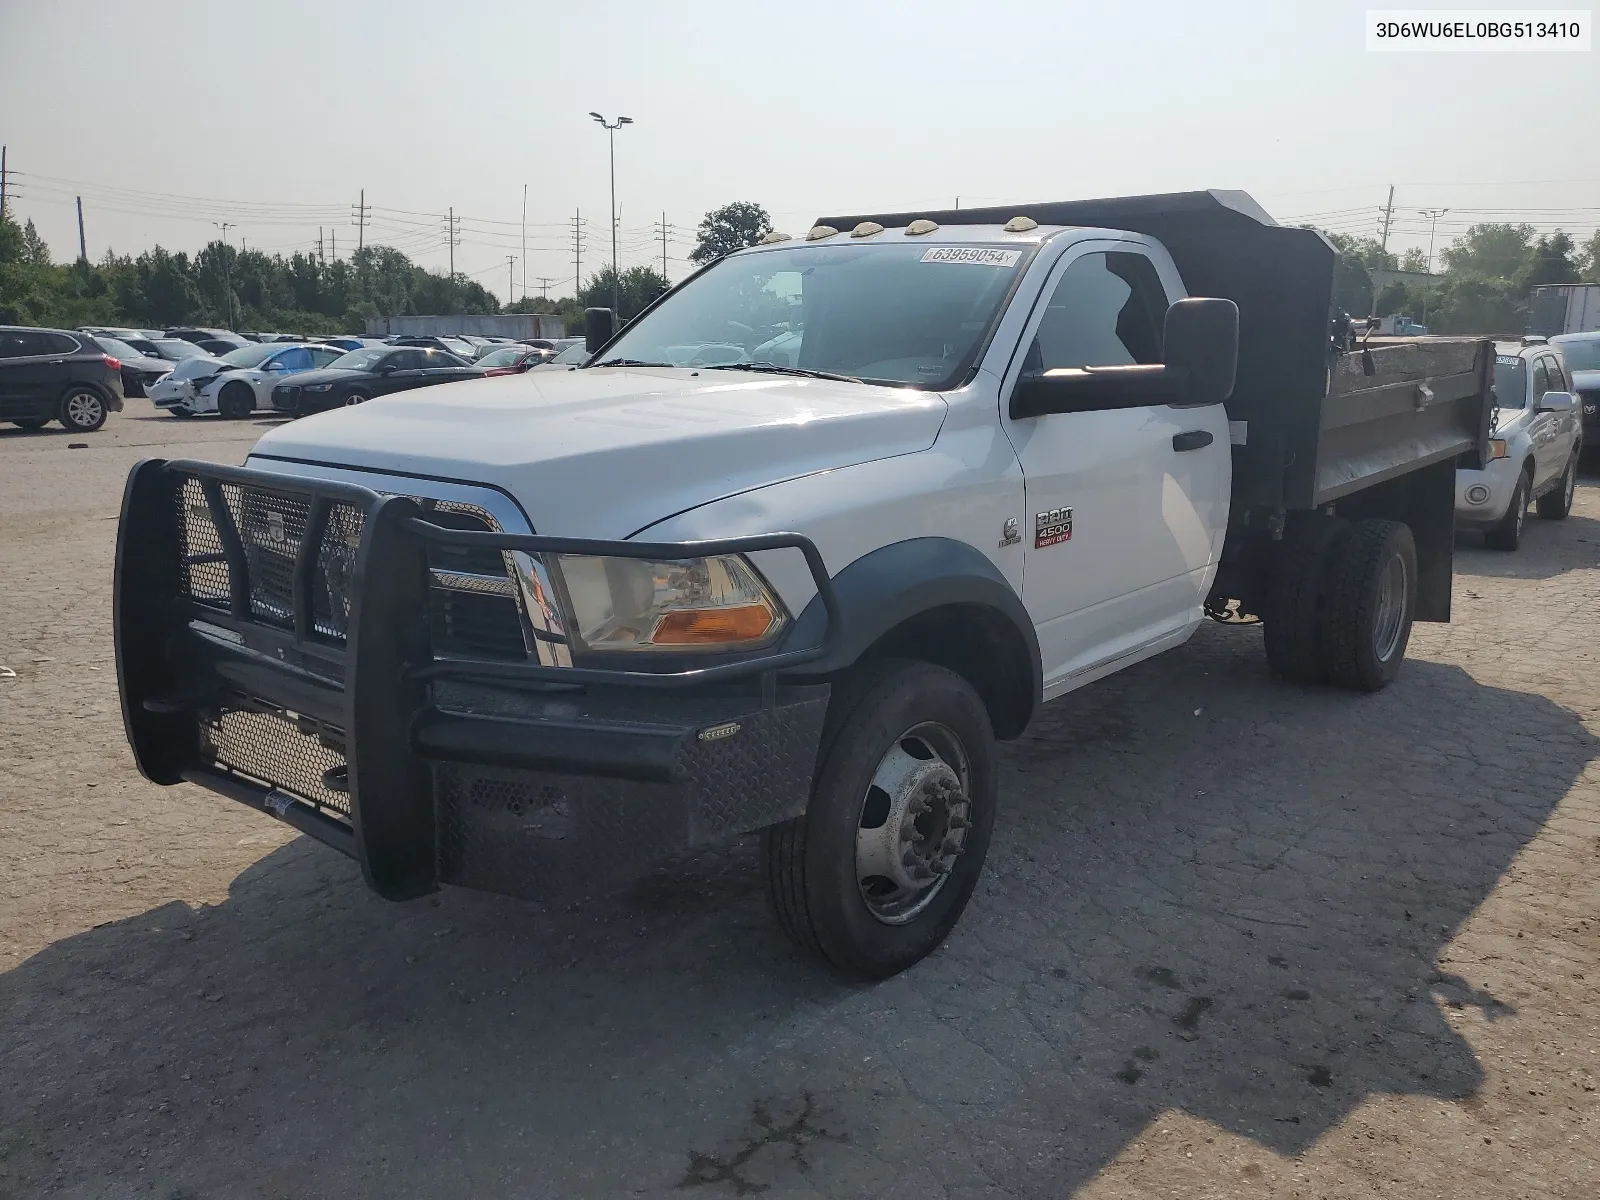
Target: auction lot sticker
{"points": [[982, 256]]}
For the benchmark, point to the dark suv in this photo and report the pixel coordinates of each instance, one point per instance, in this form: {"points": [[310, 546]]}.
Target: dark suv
{"points": [[55, 375]]}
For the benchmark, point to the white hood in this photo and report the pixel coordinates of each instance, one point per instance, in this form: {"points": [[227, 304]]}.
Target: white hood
{"points": [[196, 366], [605, 452]]}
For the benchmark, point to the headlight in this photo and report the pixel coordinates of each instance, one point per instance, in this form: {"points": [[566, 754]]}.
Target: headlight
{"points": [[718, 603], [1497, 448], [317, 387]]}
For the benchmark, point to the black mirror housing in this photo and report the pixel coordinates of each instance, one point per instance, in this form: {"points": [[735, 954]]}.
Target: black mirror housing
{"points": [[1202, 341], [598, 326]]}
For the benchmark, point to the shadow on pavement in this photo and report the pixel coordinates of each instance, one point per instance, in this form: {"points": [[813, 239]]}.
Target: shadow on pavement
{"points": [[1208, 892], [1548, 549]]}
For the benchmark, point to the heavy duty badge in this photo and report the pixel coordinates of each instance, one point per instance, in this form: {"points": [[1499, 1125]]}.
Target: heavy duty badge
{"points": [[1051, 528]]}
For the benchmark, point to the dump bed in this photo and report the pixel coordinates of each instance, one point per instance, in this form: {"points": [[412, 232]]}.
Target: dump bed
{"points": [[1311, 424]]}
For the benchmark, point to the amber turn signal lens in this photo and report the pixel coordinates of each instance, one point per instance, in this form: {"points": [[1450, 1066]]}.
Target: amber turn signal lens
{"points": [[712, 626]]}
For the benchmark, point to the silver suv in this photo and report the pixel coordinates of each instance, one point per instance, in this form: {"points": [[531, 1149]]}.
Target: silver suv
{"points": [[1534, 446]]}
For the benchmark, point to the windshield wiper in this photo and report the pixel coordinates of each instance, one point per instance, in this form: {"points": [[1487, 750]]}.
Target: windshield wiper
{"points": [[771, 368], [628, 362]]}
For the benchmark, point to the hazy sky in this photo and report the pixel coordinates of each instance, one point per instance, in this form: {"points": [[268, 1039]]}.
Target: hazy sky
{"points": [[157, 111]]}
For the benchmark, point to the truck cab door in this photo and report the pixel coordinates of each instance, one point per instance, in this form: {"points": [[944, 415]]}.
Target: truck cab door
{"points": [[1126, 507]]}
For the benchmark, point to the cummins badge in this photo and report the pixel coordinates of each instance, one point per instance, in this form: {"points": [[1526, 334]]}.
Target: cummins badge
{"points": [[1051, 528]]}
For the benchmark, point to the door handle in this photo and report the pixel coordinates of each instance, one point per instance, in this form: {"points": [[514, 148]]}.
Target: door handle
{"points": [[1193, 439]]}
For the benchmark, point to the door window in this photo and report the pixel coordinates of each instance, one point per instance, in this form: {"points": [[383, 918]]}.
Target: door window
{"points": [[1107, 310], [25, 343], [297, 359], [1541, 379], [322, 358], [1558, 377], [406, 360]]}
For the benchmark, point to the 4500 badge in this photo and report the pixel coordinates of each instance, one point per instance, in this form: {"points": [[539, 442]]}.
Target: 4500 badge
{"points": [[1052, 528]]}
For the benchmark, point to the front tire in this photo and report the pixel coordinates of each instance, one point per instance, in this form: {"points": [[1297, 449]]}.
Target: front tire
{"points": [[1371, 601], [1555, 505], [878, 871], [354, 398], [83, 410], [236, 402], [1507, 534]]}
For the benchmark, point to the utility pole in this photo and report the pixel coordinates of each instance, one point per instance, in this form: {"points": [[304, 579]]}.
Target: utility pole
{"points": [[363, 210], [227, 269], [333, 244], [453, 236], [577, 251], [1388, 214], [1433, 215], [321, 261], [83, 246], [511, 277], [544, 282], [524, 241], [611, 127], [663, 230], [2, 181]]}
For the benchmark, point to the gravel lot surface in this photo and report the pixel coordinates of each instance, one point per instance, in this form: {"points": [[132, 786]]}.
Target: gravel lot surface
{"points": [[1236, 939]]}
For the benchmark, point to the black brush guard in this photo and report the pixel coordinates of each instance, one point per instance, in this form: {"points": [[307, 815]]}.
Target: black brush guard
{"points": [[339, 718]]}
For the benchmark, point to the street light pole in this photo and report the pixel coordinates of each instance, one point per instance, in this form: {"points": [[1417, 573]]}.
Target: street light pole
{"points": [[611, 128], [1434, 214]]}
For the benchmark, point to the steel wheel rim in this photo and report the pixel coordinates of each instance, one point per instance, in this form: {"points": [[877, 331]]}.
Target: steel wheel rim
{"points": [[1392, 588], [913, 822], [83, 409]]}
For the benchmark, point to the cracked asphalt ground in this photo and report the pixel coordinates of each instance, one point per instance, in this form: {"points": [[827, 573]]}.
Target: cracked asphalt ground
{"points": [[1236, 938]]}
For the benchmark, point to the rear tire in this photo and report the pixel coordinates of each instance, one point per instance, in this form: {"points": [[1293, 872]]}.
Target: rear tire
{"points": [[1371, 601], [83, 410], [236, 402], [31, 422], [1555, 505], [1292, 624], [906, 786], [1507, 535]]}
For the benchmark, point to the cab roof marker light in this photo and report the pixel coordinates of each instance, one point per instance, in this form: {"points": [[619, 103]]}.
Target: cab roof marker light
{"points": [[866, 229], [921, 226], [774, 237], [818, 232], [1020, 225]]}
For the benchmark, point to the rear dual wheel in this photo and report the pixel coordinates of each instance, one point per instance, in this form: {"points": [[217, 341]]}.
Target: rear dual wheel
{"points": [[1342, 602], [878, 871]]}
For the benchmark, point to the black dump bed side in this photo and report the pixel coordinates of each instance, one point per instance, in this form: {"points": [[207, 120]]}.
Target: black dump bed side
{"points": [[1302, 447]]}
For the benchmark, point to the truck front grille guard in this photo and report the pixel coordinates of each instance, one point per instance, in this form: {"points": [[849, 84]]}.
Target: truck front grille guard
{"points": [[313, 605]]}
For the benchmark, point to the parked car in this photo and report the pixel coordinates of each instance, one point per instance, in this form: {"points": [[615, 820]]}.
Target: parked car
{"points": [[1535, 442], [360, 375], [450, 345], [212, 341], [55, 375], [510, 360], [235, 384], [1580, 352], [344, 343], [125, 335], [174, 350], [139, 371], [574, 355]]}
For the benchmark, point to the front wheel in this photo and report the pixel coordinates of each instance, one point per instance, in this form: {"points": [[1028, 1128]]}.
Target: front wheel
{"points": [[236, 402], [1371, 601], [1507, 534], [355, 398], [878, 871], [1555, 505], [83, 410]]}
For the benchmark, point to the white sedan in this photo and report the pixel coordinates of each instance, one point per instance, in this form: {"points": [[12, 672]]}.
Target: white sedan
{"points": [[239, 382]]}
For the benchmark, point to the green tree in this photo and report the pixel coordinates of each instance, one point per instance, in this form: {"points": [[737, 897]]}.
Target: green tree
{"points": [[1551, 261], [1494, 250], [1589, 259], [1414, 259], [729, 228], [1369, 252], [34, 251], [638, 287]]}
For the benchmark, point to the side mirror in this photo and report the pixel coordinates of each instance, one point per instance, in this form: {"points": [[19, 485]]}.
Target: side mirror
{"points": [[1202, 341], [1202, 356], [1557, 402], [598, 326]]}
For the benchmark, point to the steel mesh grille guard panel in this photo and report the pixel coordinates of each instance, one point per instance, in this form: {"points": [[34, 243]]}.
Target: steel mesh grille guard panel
{"points": [[270, 748]]}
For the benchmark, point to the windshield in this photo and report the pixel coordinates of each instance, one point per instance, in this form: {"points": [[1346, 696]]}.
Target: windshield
{"points": [[116, 348], [359, 360], [250, 356], [1510, 382], [506, 356], [177, 349], [890, 312], [1581, 355]]}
